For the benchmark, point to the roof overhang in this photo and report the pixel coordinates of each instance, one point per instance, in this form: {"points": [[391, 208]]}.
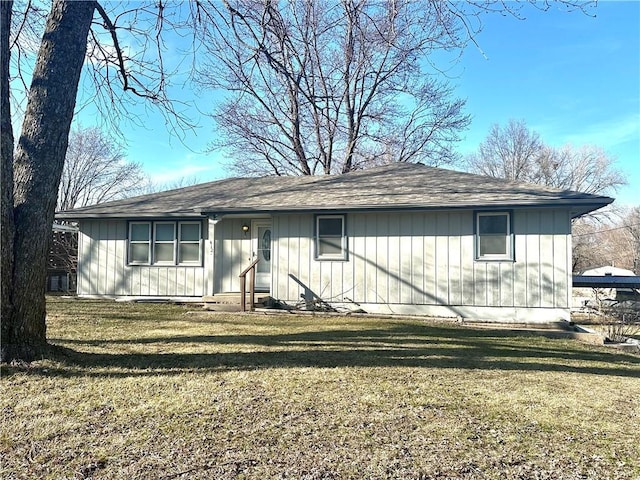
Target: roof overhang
{"points": [[74, 215], [606, 281], [577, 209]]}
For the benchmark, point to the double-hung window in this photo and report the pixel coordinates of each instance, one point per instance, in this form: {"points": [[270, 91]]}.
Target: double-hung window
{"points": [[189, 242], [165, 243], [164, 248], [140, 243], [331, 241], [494, 237]]}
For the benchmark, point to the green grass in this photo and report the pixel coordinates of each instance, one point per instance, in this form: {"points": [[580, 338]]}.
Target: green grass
{"points": [[148, 391]]}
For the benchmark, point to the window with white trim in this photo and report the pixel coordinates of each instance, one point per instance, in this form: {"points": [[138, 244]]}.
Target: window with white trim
{"points": [[494, 239], [164, 247], [140, 243], [189, 249], [165, 243], [331, 243]]}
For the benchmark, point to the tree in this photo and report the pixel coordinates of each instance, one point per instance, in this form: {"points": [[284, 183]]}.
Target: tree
{"points": [[6, 187], [326, 87], [36, 170], [31, 176], [587, 168], [509, 152], [516, 153], [95, 171], [616, 242]]}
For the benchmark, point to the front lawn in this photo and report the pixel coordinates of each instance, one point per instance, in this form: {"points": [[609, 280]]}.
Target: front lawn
{"points": [[150, 391]]}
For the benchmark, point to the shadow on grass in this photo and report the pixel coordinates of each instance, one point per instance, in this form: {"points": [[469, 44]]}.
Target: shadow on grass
{"points": [[405, 345]]}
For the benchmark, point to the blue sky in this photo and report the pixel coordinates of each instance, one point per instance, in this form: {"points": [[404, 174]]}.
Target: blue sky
{"points": [[571, 77]]}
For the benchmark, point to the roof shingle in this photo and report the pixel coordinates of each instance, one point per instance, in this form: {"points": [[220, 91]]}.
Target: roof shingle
{"points": [[396, 186]]}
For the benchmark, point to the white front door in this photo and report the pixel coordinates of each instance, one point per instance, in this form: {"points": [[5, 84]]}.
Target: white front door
{"points": [[261, 233]]}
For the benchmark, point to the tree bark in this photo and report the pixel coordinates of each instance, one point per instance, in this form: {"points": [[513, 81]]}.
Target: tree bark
{"points": [[38, 165], [6, 182]]}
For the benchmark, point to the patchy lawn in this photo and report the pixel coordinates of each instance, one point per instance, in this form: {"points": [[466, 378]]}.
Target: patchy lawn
{"points": [[148, 391]]}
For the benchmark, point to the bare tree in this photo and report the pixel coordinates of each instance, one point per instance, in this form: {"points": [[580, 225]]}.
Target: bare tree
{"points": [[96, 171], [326, 87], [516, 153], [587, 168], [617, 242], [509, 152], [7, 224], [31, 176], [37, 168]]}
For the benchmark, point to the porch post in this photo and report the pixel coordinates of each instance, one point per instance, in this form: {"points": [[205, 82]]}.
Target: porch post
{"points": [[209, 256]]}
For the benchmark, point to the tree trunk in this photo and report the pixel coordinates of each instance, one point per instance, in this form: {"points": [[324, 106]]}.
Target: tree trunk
{"points": [[6, 154], [38, 167]]}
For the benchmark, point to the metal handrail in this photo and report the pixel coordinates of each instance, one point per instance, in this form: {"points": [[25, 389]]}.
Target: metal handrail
{"points": [[252, 285]]}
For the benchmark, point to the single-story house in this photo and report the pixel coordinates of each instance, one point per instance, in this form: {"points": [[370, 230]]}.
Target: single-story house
{"points": [[396, 239], [607, 283]]}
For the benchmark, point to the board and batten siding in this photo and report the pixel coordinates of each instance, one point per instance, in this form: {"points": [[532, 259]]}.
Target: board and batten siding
{"points": [[233, 253], [103, 269], [424, 263]]}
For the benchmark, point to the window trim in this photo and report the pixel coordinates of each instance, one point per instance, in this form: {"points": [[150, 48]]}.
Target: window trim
{"points": [[176, 242], [509, 256], [130, 261], [171, 242], [343, 255], [181, 242]]}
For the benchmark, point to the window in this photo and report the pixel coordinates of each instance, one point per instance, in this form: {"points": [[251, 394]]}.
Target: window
{"points": [[493, 236], [189, 242], [165, 243], [330, 237], [139, 242]]}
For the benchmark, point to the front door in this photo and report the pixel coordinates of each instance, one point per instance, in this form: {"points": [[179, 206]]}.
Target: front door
{"points": [[262, 248]]}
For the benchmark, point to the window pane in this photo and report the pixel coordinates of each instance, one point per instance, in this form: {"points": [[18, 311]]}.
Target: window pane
{"points": [[492, 224], [164, 232], [140, 232], [190, 232], [330, 246], [139, 253], [189, 252], [493, 245], [330, 226], [164, 252]]}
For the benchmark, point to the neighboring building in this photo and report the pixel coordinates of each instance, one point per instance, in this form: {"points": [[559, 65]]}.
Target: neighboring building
{"points": [[606, 283], [397, 239], [608, 271], [63, 259]]}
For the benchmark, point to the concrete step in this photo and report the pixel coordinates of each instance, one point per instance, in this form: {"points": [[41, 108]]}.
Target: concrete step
{"points": [[230, 302], [231, 298]]}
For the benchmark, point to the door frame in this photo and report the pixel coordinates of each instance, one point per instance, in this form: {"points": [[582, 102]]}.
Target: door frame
{"points": [[263, 279]]}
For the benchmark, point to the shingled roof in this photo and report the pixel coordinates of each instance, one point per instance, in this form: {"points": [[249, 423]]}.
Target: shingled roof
{"points": [[398, 186]]}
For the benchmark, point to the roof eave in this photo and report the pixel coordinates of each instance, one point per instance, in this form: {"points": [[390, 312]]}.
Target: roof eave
{"points": [[120, 215], [578, 207]]}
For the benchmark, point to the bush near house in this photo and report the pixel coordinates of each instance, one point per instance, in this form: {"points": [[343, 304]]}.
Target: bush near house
{"points": [[143, 391]]}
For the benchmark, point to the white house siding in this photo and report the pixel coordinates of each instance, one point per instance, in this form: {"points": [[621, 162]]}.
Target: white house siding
{"points": [[103, 269], [423, 263]]}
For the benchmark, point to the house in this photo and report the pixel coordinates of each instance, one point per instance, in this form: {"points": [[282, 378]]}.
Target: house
{"points": [[608, 284], [396, 239]]}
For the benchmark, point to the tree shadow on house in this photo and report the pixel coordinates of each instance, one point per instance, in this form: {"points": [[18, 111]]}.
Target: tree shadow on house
{"points": [[398, 345]]}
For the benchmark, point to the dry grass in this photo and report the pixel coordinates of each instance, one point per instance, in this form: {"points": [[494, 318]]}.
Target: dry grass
{"points": [[139, 391]]}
